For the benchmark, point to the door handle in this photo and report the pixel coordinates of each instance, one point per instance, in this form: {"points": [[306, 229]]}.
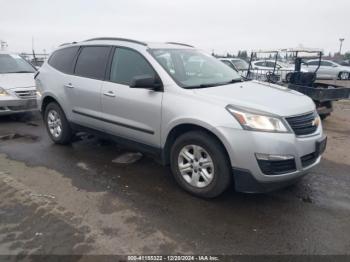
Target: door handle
{"points": [[69, 85], [109, 93]]}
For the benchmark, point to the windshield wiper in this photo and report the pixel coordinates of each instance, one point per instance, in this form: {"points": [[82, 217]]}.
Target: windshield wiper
{"points": [[236, 80], [203, 86], [17, 72], [23, 71]]}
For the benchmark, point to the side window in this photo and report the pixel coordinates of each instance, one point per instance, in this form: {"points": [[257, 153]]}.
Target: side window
{"points": [[325, 63], [270, 64], [62, 59], [260, 63], [92, 62], [127, 64], [313, 63]]}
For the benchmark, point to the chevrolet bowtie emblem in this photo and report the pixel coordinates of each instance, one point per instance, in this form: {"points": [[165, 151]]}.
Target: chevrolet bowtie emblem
{"points": [[316, 121]]}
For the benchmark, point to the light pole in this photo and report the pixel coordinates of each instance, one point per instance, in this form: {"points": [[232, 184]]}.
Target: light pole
{"points": [[341, 40]]}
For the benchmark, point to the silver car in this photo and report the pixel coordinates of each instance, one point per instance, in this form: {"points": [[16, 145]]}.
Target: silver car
{"points": [[264, 67], [17, 86], [237, 64], [184, 107], [328, 69]]}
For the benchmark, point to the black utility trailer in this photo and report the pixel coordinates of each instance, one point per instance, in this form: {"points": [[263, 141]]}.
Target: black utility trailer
{"points": [[304, 82]]}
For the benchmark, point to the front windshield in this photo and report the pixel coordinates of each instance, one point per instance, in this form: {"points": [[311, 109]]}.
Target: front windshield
{"points": [[240, 64], [11, 63], [194, 69]]}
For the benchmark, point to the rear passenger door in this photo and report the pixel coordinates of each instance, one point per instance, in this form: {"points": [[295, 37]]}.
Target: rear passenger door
{"points": [[132, 113], [85, 86]]}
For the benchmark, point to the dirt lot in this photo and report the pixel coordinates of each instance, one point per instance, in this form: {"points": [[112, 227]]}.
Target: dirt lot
{"points": [[75, 200]]}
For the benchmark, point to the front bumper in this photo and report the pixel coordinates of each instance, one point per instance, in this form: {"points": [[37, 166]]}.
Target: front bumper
{"points": [[12, 105], [242, 147]]}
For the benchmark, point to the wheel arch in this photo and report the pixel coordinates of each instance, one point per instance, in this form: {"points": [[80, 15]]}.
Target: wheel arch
{"points": [[48, 99], [183, 128]]}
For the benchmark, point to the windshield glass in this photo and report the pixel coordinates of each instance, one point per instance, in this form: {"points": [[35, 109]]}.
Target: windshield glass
{"points": [[12, 63], [194, 69], [240, 64]]}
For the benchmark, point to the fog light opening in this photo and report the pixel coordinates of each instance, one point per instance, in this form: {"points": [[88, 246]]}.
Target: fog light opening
{"points": [[272, 157]]}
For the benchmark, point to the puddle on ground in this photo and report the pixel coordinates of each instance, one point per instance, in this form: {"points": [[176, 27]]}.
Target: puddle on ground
{"points": [[13, 136], [127, 158]]}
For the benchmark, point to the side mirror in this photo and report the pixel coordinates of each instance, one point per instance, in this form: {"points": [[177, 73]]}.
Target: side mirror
{"points": [[146, 81]]}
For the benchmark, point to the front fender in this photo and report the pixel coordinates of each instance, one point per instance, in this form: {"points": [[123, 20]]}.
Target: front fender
{"points": [[216, 130]]}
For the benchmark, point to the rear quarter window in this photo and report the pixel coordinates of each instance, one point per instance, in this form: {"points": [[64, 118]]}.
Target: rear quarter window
{"points": [[63, 59]]}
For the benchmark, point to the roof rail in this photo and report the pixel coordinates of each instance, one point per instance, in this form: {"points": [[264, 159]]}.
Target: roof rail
{"points": [[175, 43], [67, 43], [117, 39]]}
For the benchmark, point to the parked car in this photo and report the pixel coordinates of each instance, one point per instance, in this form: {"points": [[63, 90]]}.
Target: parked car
{"points": [[237, 64], [185, 107], [328, 69], [344, 63], [17, 86], [265, 67]]}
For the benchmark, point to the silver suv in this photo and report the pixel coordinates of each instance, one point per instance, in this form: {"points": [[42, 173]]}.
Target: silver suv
{"points": [[185, 107]]}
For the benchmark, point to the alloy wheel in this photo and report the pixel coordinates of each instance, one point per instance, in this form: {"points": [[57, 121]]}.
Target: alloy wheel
{"points": [[54, 123], [196, 166]]}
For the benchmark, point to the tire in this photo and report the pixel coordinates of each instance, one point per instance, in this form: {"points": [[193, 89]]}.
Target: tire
{"points": [[218, 174], [343, 76], [65, 135], [288, 77]]}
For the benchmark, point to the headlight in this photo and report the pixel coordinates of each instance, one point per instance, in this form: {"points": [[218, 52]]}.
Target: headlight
{"points": [[3, 92], [258, 121]]}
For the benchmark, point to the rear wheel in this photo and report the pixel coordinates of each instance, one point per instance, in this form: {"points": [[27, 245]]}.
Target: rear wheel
{"points": [[200, 164], [56, 124]]}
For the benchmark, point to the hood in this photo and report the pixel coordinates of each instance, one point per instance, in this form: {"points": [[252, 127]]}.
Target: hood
{"points": [[22, 80], [261, 96]]}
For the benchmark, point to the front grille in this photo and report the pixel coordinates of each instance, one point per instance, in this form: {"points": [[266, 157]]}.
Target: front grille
{"points": [[26, 94], [308, 159], [303, 124], [277, 167]]}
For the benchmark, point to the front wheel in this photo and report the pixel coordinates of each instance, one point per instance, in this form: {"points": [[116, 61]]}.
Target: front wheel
{"points": [[56, 124], [344, 75], [200, 164]]}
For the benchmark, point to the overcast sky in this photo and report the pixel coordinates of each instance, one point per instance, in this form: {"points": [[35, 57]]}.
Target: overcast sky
{"points": [[222, 25]]}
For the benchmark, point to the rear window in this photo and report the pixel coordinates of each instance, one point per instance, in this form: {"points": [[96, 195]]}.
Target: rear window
{"points": [[92, 62], [62, 59]]}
